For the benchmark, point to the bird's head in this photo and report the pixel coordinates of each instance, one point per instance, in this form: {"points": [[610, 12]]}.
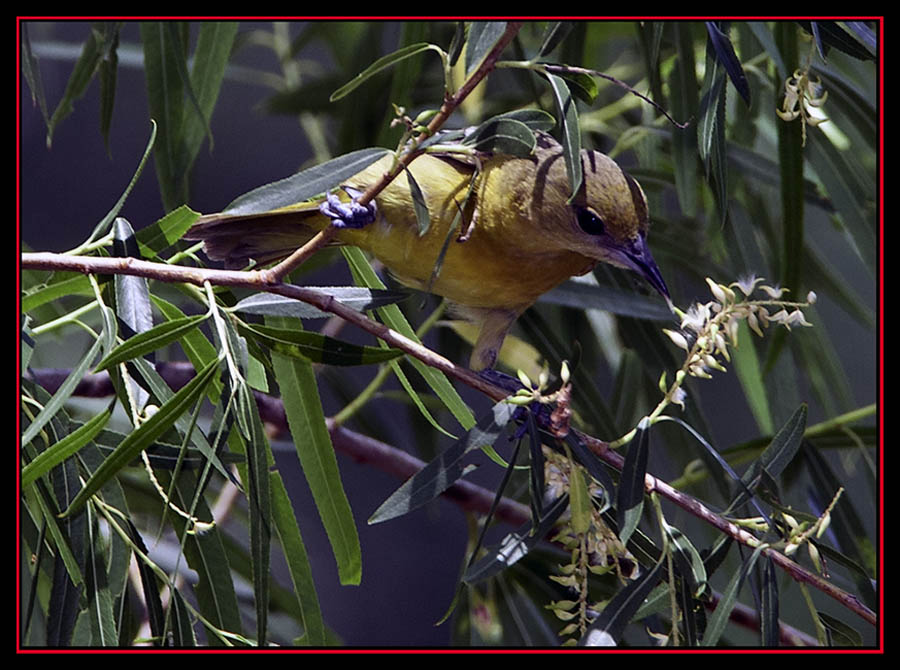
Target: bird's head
{"points": [[607, 220]]}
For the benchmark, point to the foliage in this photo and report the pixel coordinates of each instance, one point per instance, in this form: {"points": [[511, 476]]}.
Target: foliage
{"points": [[740, 188]]}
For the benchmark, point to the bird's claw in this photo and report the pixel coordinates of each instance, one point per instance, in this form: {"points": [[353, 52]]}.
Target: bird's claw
{"points": [[348, 214]]}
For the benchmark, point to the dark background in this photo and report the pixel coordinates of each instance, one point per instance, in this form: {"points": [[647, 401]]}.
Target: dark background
{"points": [[410, 565]]}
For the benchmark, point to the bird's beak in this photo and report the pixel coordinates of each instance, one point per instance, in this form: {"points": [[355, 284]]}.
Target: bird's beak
{"points": [[636, 256]]}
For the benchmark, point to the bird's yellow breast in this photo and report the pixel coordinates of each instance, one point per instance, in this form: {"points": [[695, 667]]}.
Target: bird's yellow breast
{"points": [[503, 262]]}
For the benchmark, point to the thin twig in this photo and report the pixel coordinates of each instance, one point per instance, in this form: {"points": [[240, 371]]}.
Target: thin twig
{"points": [[252, 279], [323, 237]]}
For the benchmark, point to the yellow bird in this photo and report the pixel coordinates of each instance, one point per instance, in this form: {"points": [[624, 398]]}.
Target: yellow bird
{"points": [[519, 235]]}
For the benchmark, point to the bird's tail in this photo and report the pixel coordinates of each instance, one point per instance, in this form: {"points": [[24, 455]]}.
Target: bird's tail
{"points": [[239, 239]]}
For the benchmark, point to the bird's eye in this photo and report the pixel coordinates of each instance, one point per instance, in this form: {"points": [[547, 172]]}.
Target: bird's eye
{"points": [[589, 222]]}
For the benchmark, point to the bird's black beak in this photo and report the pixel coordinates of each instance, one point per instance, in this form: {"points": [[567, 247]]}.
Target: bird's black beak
{"points": [[637, 257]]}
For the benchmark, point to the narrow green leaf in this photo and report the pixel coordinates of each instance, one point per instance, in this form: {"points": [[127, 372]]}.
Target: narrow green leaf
{"points": [[214, 42], [62, 394], [571, 133], [769, 627], [318, 348], [749, 372], [163, 233], [165, 96], [144, 435], [60, 451], [82, 74], [554, 34], [298, 564], [111, 215], [729, 60], [583, 293], [304, 185], [182, 622], [607, 629], [32, 73], [99, 600], [685, 103], [61, 284], [517, 544], [423, 218], [151, 340], [502, 135], [303, 408], [381, 64], [579, 502], [442, 472], [842, 634], [393, 317], [630, 496], [853, 199], [260, 504], [108, 34], [716, 624], [582, 85], [414, 396], [790, 158], [687, 559], [357, 297], [483, 35], [152, 601]]}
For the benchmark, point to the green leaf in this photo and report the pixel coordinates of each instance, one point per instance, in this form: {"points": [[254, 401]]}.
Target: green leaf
{"points": [[96, 586], [842, 634], [163, 233], [769, 628], [214, 42], [32, 73], [165, 97], [82, 74], [607, 629], [303, 408], [60, 451], [144, 435], [55, 404], [356, 297], [442, 472], [381, 64], [318, 348], [305, 184], [749, 372], [61, 284], [584, 293], [579, 502], [725, 54], [393, 317], [260, 504], [630, 496], [685, 103], [716, 624], [517, 544], [502, 135], [567, 115], [151, 340], [423, 218], [298, 564], [483, 35], [111, 215], [554, 34], [582, 85], [108, 34]]}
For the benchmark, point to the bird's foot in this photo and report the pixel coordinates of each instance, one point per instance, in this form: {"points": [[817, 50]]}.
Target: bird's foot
{"points": [[348, 214]]}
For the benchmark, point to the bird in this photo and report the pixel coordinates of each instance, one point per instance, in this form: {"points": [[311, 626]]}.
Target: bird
{"points": [[519, 231]]}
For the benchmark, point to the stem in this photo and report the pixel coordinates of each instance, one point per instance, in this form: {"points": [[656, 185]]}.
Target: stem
{"points": [[277, 273]]}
